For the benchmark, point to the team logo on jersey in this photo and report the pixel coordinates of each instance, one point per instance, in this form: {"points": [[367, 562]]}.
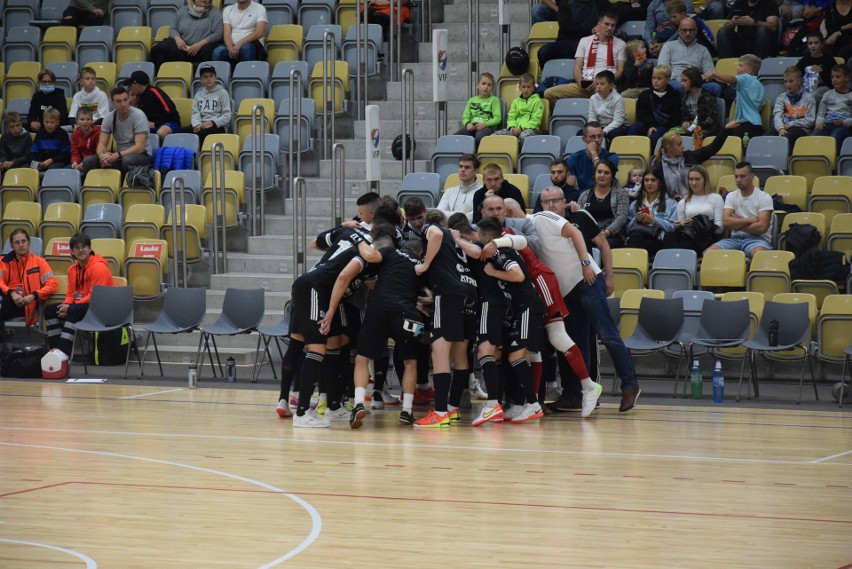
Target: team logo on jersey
{"points": [[442, 60], [374, 137]]}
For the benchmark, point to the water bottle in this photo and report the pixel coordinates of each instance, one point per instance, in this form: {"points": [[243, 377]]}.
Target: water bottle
{"points": [[695, 380], [811, 81], [773, 333], [746, 138], [192, 376], [231, 370], [718, 383]]}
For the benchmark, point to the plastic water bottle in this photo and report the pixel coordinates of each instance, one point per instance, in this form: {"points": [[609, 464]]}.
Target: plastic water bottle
{"points": [[811, 81], [231, 370], [696, 380], [718, 383], [746, 138], [192, 376], [773, 333]]}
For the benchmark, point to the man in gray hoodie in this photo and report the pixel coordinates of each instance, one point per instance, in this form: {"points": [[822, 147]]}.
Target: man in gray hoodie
{"points": [[211, 107], [196, 31]]}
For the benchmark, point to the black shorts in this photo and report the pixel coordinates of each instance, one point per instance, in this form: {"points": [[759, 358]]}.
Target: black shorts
{"points": [[351, 320], [453, 319], [526, 331], [309, 307], [380, 325], [491, 321]]}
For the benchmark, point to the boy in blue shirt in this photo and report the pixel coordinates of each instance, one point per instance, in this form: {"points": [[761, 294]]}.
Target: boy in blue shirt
{"points": [[749, 96]]}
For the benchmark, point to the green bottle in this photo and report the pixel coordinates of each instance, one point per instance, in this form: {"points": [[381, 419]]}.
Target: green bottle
{"points": [[695, 380]]}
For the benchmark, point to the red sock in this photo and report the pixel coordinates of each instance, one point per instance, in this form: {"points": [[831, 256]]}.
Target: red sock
{"points": [[575, 360], [536, 375]]}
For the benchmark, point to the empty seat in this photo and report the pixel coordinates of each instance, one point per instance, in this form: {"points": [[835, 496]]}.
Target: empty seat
{"points": [[279, 83], [162, 12], [541, 33], [812, 157], [243, 117], [315, 13], [264, 177], [831, 195], [499, 149], [59, 186], [102, 220], [312, 47], [25, 215], [537, 153], [143, 221], [21, 44], [844, 160], [145, 267], [60, 220], [767, 155], [127, 13], [374, 47], [19, 184], [231, 143], [629, 269], [132, 44], [95, 44], [723, 269], [568, 117], [840, 235], [280, 12], [195, 218], [769, 273], [235, 194], [58, 44], [174, 78], [100, 186], [19, 13], [191, 188], [284, 43], [673, 270], [249, 81], [20, 82], [305, 120]]}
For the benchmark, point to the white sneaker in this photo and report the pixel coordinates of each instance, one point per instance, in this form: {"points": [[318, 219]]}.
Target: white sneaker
{"points": [[590, 400], [553, 392], [512, 412], [382, 398], [310, 421], [342, 414], [476, 391], [489, 415], [283, 409], [529, 412]]}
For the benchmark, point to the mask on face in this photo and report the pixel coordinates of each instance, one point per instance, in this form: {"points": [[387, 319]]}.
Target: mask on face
{"points": [[47, 88]]}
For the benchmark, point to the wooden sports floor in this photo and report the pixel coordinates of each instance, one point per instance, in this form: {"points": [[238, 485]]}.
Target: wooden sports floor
{"points": [[135, 476]]}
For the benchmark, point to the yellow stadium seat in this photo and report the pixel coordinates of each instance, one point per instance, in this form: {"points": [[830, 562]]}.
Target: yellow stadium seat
{"points": [[769, 273], [796, 298], [183, 106], [142, 222], [61, 221], [119, 281], [58, 255], [113, 250], [242, 119], [727, 66], [340, 85], [21, 80], [100, 186], [522, 182], [630, 110], [195, 217], [840, 235], [106, 73], [19, 184], [831, 195], [23, 215], [629, 269], [820, 289], [453, 180], [145, 268], [235, 189], [132, 195], [162, 34], [633, 152], [499, 149], [175, 78], [833, 326], [630, 301], [133, 43], [232, 152], [59, 43], [285, 43], [812, 157], [802, 217], [715, 26], [507, 84], [723, 269], [541, 34], [765, 111]]}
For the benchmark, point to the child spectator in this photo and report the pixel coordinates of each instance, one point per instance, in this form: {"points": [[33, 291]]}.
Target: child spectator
{"points": [[794, 113], [699, 105], [48, 96], [750, 93], [526, 111], [51, 147], [835, 110], [634, 183], [84, 139], [15, 144], [820, 63], [163, 117], [90, 96], [483, 112], [637, 71], [211, 108], [657, 109], [607, 107]]}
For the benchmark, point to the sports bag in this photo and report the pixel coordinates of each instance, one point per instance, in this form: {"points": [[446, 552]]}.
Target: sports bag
{"points": [[23, 362], [111, 347]]}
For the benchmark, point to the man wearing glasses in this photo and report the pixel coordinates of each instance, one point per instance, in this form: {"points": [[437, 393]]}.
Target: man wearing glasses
{"points": [[685, 51]]}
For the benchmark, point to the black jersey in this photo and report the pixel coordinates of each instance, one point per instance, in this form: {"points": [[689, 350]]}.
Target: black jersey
{"points": [[324, 274], [397, 285], [449, 272], [587, 225], [409, 232], [489, 289], [522, 294], [329, 238]]}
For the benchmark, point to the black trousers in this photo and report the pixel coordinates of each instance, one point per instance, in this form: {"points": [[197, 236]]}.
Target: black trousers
{"points": [[76, 17], [167, 50]]}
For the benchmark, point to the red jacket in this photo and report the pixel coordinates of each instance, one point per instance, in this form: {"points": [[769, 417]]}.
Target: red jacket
{"points": [[33, 274], [82, 146], [81, 280]]}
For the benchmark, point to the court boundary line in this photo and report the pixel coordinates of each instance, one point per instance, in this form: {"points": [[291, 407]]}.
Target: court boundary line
{"points": [[90, 563], [152, 393], [833, 456]]}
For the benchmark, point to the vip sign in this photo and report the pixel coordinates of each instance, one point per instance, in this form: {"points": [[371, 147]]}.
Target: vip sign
{"points": [[372, 136], [440, 61]]}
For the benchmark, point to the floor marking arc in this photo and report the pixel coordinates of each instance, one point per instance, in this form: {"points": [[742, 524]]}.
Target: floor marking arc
{"points": [[90, 563]]}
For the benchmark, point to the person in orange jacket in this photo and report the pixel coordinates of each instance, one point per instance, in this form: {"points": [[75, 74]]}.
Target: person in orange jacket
{"points": [[25, 279], [90, 269]]}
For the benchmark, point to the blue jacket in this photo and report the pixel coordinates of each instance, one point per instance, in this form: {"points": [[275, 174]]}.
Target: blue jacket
{"points": [[583, 168], [173, 158]]}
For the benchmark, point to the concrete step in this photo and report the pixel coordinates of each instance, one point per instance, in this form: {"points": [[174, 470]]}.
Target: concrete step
{"points": [[457, 90], [273, 300], [356, 148], [281, 245], [489, 51], [391, 169], [489, 31], [458, 12], [275, 282], [456, 68]]}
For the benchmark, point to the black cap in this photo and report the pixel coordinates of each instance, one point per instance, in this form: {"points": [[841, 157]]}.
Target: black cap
{"points": [[206, 69], [140, 77]]}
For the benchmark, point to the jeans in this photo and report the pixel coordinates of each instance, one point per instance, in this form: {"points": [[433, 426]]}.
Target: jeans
{"points": [[589, 310], [248, 52], [840, 133], [542, 13]]}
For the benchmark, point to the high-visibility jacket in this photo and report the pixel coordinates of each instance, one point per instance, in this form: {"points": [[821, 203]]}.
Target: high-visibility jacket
{"points": [[32, 274]]}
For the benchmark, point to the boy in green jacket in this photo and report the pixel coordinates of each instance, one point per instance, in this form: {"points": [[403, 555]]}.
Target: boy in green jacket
{"points": [[483, 112], [526, 112]]}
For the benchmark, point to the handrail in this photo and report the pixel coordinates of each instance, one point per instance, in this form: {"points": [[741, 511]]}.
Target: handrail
{"points": [[258, 131], [295, 142], [300, 222], [218, 172], [328, 61], [179, 257], [338, 181], [393, 34], [407, 120], [360, 10]]}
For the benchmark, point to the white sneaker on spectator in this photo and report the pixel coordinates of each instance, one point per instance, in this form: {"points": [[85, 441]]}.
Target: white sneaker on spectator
{"points": [[590, 399], [512, 412]]}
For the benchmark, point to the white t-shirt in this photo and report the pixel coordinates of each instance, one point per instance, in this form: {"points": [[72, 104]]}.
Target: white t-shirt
{"points": [[243, 22], [749, 207], [557, 252], [583, 52], [710, 205], [96, 100]]}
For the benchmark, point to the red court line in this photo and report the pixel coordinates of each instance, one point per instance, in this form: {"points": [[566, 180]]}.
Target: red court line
{"points": [[34, 489], [470, 502]]}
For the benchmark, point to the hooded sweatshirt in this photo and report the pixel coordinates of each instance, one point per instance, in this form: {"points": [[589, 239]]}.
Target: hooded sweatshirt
{"points": [[32, 274], [794, 110], [84, 145], [96, 100], [16, 148], [213, 105], [82, 279], [157, 106]]}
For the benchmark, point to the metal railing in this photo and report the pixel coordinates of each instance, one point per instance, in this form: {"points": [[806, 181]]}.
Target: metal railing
{"points": [[338, 182], [361, 90], [407, 120], [218, 172], [328, 92], [300, 226], [295, 115], [473, 44], [257, 220], [176, 188]]}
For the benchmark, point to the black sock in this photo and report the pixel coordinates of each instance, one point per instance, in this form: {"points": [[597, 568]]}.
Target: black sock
{"points": [[523, 373], [491, 375], [310, 373], [423, 360], [380, 372], [442, 390], [330, 376], [461, 379], [292, 359]]}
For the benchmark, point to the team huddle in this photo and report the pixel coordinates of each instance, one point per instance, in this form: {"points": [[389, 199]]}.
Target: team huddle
{"points": [[508, 294]]}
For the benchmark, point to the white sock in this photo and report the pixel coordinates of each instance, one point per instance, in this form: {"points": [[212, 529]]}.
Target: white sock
{"points": [[407, 401], [442, 413], [491, 403], [451, 407], [587, 384], [323, 398], [360, 393]]}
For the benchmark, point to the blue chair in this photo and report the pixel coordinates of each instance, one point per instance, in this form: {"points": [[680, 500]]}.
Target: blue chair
{"points": [[102, 220], [95, 44], [312, 46], [374, 47], [127, 13], [21, 44], [537, 153], [279, 83], [59, 186], [315, 13], [269, 160], [249, 81], [448, 150], [279, 12]]}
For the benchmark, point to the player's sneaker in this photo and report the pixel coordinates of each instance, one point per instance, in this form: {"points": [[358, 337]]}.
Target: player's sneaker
{"points": [[489, 415], [433, 421], [357, 417], [310, 421], [512, 412], [476, 391], [283, 409], [455, 416], [322, 407], [590, 399], [340, 414], [529, 412], [424, 396], [406, 418]]}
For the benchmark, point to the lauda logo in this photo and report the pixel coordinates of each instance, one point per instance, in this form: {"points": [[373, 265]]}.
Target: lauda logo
{"points": [[61, 248], [148, 251]]}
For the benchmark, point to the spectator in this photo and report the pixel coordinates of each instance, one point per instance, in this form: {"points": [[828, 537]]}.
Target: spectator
{"points": [[196, 31], [15, 143], [683, 52], [245, 26], [582, 163], [657, 23], [560, 178], [606, 106], [460, 198], [90, 269], [789, 10], [749, 92], [837, 26], [820, 63], [129, 128], [650, 216], [546, 11], [211, 107], [834, 117], [676, 10], [47, 96], [25, 279], [795, 111], [753, 28], [637, 71], [483, 112], [526, 111], [81, 13], [674, 161], [594, 54], [748, 215], [495, 185], [607, 203], [89, 96], [698, 201], [378, 12], [84, 139], [657, 109], [698, 106], [163, 118], [577, 19], [51, 147]]}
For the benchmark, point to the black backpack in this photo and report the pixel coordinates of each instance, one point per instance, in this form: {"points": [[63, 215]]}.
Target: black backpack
{"points": [[23, 362], [141, 177], [517, 61], [396, 146], [801, 237], [819, 265]]}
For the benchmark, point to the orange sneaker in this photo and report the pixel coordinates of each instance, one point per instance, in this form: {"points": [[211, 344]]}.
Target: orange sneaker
{"points": [[455, 416], [433, 421]]}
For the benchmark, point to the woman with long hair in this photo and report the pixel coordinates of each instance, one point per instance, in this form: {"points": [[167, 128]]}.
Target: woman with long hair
{"points": [[607, 203], [688, 233], [650, 216], [674, 162]]}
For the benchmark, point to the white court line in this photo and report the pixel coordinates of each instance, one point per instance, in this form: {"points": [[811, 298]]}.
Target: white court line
{"points": [[316, 520], [90, 563], [825, 458], [153, 393], [428, 446]]}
